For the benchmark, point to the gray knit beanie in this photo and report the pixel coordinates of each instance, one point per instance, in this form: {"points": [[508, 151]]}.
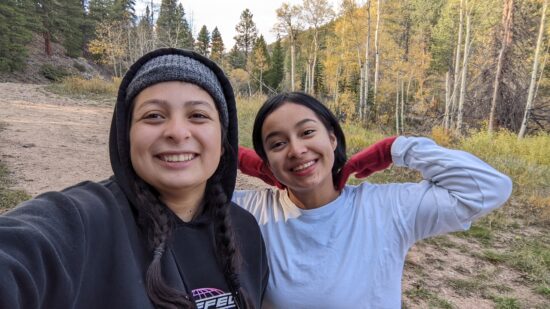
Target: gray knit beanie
{"points": [[175, 67]]}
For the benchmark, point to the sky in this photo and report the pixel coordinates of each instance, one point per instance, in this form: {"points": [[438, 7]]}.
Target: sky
{"points": [[226, 14]]}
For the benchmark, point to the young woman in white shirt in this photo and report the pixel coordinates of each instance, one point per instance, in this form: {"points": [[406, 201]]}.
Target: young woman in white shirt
{"points": [[331, 245]]}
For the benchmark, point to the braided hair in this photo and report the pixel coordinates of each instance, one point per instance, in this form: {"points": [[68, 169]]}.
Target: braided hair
{"points": [[157, 223], [153, 217]]}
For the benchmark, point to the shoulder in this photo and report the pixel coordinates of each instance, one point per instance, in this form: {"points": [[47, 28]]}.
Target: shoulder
{"points": [[262, 204], [253, 200]]}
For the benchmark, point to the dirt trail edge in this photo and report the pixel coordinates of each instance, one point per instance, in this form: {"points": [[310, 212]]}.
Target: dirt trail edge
{"points": [[50, 142]]}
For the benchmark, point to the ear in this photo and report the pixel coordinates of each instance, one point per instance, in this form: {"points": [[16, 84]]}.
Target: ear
{"points": [[333, 140]]}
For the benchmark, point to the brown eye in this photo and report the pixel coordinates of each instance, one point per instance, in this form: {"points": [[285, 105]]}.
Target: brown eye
{"points": [[200, 116], [277, 145], [152, 116]]}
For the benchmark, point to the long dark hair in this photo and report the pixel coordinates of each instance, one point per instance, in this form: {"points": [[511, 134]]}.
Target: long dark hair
{"points": [[325, 115], [157, 222]]}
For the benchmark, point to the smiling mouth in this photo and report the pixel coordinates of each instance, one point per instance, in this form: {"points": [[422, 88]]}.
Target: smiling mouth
{"points": [[177, 157], [302, 167]]}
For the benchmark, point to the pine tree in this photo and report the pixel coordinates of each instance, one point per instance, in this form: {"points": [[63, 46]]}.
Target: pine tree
{"points": [[145, 22], [185, 36], [49, 13], [172, 27], [246, 33], [167, 22], [123, 10], [14, 34], [216, 46], [100, 10], [236, 57], [275, 74], [202, 45], [72, 27]]}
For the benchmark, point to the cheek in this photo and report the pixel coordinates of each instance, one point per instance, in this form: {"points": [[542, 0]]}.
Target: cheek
{"points": [[136, 139], [275, 163]]}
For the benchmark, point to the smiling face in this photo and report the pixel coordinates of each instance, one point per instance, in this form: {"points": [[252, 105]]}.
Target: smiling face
{"points": [[299, 148], [175, 137]]}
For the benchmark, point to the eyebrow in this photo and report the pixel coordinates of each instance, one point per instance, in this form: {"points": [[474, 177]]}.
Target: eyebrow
{"points": [[186, 103], [298, 124]]}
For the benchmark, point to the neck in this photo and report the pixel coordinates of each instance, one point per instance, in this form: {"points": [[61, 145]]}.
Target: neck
{"points": [[185, 206], [313, 198]]}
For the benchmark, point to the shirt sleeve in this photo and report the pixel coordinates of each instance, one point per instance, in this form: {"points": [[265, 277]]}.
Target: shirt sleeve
{"points": [[457, 188], [41, 247]]}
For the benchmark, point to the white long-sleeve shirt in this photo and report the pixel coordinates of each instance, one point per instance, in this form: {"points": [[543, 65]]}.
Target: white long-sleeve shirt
{"points": [[350, 253]]}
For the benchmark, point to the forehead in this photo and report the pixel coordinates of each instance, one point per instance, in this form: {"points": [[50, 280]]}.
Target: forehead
{"points": [[288, 116], [174, 92]]}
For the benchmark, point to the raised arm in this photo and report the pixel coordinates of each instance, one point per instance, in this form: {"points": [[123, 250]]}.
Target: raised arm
{"points": [[457, 187]]}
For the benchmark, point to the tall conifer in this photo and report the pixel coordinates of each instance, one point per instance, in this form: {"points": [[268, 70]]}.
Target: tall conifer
{"points": [[216, 46]]}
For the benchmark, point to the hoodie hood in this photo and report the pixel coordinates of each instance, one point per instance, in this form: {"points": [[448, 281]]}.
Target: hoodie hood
{"points": [[119, 137]]}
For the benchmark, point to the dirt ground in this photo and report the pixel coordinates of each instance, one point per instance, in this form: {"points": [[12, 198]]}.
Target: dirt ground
{"points": [[50, 142]]}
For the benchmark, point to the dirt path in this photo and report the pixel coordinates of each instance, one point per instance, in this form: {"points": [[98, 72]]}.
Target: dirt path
{"points": [[50, 142]]}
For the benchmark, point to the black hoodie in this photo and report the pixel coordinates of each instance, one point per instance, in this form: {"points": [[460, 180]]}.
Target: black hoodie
{"points": [[82, 247]]}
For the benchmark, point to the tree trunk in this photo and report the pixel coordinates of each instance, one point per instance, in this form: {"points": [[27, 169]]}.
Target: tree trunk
{"points": [[463, 79], [313, 64], [454, 95], [306, 80], [292, 61], [506, 38], [377, 51], [529, 103], [361, 90], [336, 90], [261, 81], [402, 105], [47, 43], [397, 107], [447, 101], [367, 67]]}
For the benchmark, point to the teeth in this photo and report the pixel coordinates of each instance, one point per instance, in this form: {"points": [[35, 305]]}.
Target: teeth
{"points": [[178, 158], [303, 166]]}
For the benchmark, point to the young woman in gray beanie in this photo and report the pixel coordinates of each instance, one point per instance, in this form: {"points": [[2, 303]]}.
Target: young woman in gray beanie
{"points": [[161, 232]]}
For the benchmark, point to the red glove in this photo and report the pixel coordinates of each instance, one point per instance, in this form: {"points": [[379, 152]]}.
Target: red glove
{"points": [[372, 159], [252, 165]]}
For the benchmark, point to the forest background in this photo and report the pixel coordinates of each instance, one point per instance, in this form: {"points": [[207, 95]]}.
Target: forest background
{"points": [[470, 74]]}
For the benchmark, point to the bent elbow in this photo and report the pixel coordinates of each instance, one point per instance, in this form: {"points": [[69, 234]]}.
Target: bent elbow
{"points": [[504, 187]]}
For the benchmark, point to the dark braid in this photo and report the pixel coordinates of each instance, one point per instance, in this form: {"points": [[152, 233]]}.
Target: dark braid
{"points": [[154, 220]]}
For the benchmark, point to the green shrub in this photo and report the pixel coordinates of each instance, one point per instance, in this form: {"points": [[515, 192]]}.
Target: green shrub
{"points": [[80, 67], [53, 73]]}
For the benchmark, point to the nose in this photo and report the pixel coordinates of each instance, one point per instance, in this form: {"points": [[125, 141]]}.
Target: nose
{"points": [[177, 130], [296, 148]]}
